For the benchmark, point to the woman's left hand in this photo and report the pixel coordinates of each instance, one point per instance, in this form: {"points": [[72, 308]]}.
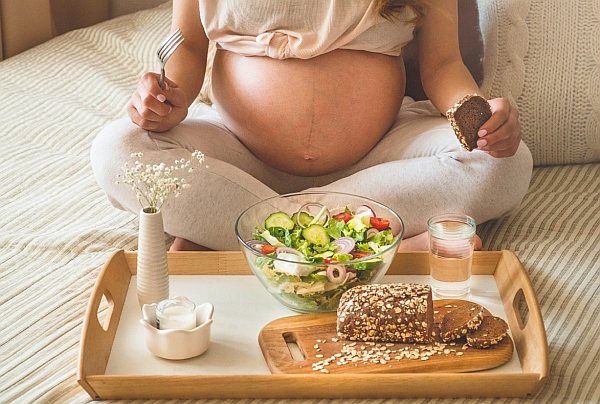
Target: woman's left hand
{"points": [[501, 134]]}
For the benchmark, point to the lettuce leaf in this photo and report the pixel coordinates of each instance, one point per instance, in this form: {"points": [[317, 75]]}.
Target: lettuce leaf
{"points": [[343, 257], [356, 235], [363, 247], [296, 238], [327, 247], [281, 234], [335, 228], [382, 238]]}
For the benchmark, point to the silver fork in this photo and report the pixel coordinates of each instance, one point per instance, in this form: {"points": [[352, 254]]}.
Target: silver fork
{"points": [[166, 50]]}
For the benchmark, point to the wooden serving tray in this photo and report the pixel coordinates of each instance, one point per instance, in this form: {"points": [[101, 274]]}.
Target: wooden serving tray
{"points": [[316, 334], [98, 341]]}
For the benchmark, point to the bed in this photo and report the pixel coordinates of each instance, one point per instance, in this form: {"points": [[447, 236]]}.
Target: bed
{"points": [[57, 228]]}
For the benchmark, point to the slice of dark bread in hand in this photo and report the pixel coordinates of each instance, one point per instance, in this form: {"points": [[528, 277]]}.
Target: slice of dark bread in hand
{"points": [[491, 331], [458, 322], [468, 118]]}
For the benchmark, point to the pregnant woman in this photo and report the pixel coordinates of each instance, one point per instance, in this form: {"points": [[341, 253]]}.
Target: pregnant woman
{"points": [[309, 95]]}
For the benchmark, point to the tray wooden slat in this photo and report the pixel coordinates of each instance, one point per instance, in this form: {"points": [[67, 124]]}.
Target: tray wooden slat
{"points": [[113, 282], [401, 385], [512, 278], [97, 339]]}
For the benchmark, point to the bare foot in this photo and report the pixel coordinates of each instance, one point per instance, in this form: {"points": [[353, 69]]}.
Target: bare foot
{"points": [[420, 242], [181, 244]]}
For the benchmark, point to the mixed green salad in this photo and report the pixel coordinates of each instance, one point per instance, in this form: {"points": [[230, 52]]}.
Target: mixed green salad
{"points": [[293, 246]]}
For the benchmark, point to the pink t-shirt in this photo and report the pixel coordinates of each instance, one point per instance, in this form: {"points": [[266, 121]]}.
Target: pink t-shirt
{"points": [[303, 29]]}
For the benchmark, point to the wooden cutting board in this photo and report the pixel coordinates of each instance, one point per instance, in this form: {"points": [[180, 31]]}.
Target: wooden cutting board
{"points": [[315, 334]]}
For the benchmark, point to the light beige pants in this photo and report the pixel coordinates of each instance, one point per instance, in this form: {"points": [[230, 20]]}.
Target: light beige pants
{"points": [[417, 168]]}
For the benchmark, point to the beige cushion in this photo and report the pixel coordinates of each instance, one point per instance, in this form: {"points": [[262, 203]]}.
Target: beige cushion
{"points": [[545, 56]]}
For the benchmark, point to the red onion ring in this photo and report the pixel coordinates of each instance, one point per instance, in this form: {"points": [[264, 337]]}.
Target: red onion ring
{"points": [[341, 273], [345, 244], [364, 210], [290, 250], [371, 232], [255, 244], [310, 204]]}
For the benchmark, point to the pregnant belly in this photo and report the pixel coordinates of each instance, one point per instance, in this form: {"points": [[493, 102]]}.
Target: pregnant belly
{"points": [[309, 117]]}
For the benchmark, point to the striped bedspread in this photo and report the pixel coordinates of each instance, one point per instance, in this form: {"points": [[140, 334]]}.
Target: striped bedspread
{"points": [[57, 228]]}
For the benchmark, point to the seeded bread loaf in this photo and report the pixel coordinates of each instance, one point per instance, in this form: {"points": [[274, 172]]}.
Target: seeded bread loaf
{"points": [[491, 331], [466, 117], [457, 323], [398, 312]]}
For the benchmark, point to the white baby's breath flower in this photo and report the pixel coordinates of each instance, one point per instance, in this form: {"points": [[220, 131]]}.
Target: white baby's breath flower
{"points": [[154, 183]]}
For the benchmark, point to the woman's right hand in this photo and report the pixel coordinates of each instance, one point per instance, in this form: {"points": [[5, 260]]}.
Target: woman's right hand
{"points": [[156, 109]]}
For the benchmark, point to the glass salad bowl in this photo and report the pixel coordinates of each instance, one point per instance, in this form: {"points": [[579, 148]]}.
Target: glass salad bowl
{"points": [[308, 248]]}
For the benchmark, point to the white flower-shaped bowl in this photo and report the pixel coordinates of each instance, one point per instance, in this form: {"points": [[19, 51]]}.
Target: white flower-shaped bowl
{"points": [[177, 344]]}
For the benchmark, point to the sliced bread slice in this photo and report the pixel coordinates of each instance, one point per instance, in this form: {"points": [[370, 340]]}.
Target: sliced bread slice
{"points": [[458, 322], [444, 307], [467, 118], [491, 331]]}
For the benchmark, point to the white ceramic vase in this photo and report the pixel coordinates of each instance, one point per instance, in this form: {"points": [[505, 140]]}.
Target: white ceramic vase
{"points": [[152, 269]]}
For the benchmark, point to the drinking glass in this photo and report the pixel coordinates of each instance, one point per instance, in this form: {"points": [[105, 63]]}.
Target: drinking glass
{"points": [[451, 242]]}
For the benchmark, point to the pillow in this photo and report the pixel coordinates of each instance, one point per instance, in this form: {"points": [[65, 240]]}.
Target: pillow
{"points": [[545, 57]]}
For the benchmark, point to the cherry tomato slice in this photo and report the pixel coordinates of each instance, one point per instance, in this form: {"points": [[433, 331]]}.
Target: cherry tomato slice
{"points": [[345, 216], [379, 223], [267, 249], [329, 260]]}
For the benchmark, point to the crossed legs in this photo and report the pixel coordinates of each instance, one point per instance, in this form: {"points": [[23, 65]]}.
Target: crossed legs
{"points": [[417, 168]]}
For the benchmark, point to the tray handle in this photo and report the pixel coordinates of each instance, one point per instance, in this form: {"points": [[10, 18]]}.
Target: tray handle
{"points": [[97, 339], [529, 334]]}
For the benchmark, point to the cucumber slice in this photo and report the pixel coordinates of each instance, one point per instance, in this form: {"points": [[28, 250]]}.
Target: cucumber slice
{"points": [[279, 219], [325, 254], [304, 219], [316, 234]]}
